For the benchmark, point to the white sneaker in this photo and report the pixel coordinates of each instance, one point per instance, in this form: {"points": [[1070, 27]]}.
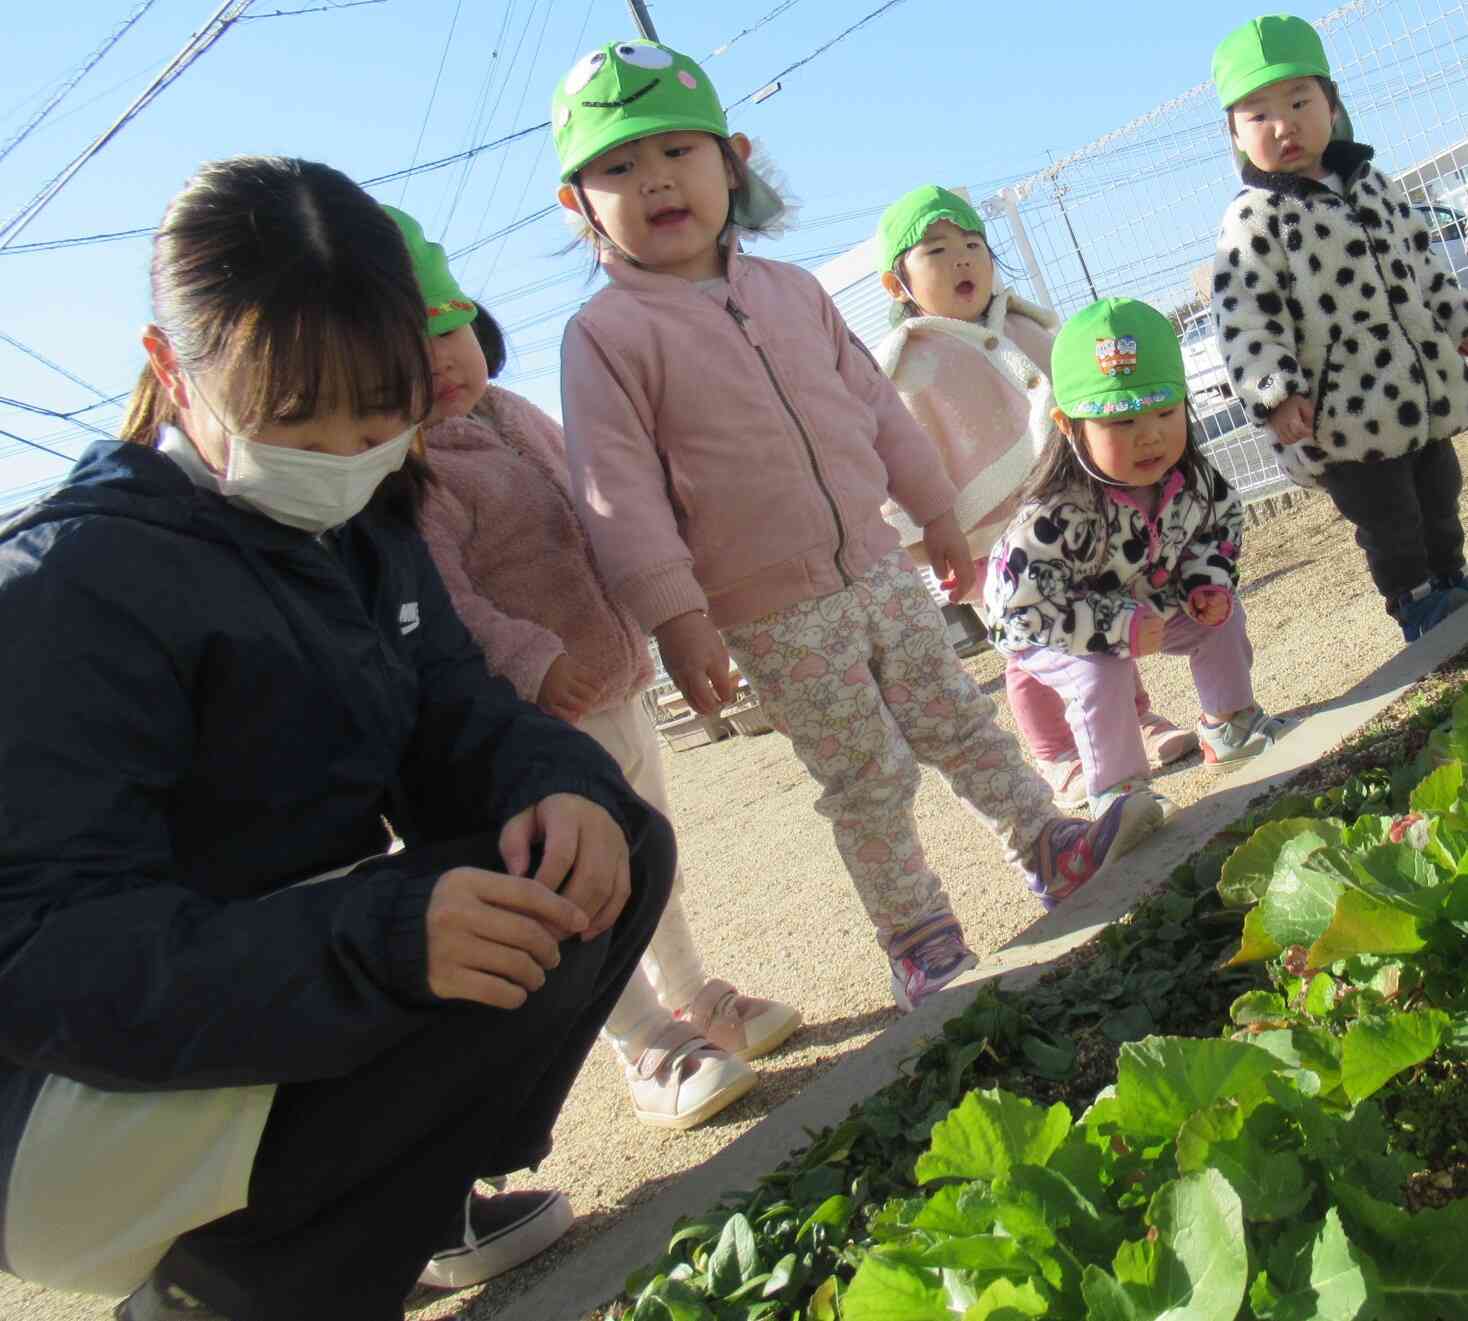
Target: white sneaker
{"points": [[1067, 780], [1102, 802], [683, 1079], [743, 1025]]}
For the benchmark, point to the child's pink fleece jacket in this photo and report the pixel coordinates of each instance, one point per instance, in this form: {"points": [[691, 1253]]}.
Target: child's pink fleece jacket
{"points": [[517, 563], [731, 448]]}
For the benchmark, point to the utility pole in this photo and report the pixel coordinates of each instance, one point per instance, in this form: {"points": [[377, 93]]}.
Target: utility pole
{"points": [[642, 19], [1070, 229]]}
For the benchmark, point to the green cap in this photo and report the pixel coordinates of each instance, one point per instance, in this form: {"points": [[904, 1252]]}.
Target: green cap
{"points": [[1117, 356], [449, 307], [628, 90], [1266, 50], [904, 223]]}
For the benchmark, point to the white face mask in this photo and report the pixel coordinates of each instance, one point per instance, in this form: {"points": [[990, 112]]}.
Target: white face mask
{"points": [[313, 492]]}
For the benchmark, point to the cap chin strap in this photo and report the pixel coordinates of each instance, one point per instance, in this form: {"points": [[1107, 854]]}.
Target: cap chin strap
{"points": [[1081, 459]]}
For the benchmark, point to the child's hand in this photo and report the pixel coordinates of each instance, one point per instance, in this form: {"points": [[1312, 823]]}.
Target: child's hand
{"points": [[1149, 636], [1463, 349], [696, 660], [568, 688], [1293, 420], [1211, 609], [950, 556]]}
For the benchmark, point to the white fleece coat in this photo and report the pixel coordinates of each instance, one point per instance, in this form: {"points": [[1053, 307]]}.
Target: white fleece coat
{"points": [[1340, 299]]}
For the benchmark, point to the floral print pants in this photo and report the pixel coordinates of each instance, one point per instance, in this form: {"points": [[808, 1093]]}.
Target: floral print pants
{"points": [[866, 685]]}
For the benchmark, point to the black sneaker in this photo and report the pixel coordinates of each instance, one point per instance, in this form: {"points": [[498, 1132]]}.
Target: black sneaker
{"points": [[157, 1300], [496, 1235]]}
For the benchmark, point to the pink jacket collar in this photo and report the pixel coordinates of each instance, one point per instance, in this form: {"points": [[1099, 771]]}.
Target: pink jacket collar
{"points": [[1170, 487]]}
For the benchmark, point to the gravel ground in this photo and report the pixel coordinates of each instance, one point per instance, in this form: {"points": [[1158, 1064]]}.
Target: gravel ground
{"points": [[774, 912]]}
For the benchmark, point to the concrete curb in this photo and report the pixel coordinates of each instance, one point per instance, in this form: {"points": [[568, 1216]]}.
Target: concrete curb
{"points": [[596, 1274]]}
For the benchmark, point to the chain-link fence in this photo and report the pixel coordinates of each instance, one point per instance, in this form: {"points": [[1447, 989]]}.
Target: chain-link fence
{"points": [[1136, 211]]}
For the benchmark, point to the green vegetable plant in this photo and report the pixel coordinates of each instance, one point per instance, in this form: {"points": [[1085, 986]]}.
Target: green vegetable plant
{"points": [[1216, 1180]]}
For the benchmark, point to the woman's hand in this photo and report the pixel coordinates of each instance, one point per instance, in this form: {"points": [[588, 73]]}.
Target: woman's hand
{"points": [[568, 689], [492, 937], [697, 660], [950, 556], [583, 856]]}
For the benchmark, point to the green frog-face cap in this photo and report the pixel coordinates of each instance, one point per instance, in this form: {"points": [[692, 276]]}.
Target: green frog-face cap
{"points": [[627, 90]]}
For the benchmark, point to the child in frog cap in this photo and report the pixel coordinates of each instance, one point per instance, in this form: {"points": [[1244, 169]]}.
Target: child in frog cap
{"points": [[731, 446], [1127, 545], [971, 360], [519, 569], [1341, 328]]}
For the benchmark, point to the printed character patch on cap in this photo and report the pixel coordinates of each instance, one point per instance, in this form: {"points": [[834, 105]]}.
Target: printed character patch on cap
{"points": [[1117, 357]]}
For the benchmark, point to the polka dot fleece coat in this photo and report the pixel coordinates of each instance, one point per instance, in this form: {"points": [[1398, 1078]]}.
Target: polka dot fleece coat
{"points": [[1075, 577], [1340, 299]]}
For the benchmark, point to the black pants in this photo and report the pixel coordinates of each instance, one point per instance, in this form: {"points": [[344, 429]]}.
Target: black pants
{"points": [[1406, 515], [359, 1180]]}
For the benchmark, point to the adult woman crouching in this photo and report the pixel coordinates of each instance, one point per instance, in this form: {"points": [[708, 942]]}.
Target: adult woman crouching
{"points": [[242, 1070]]}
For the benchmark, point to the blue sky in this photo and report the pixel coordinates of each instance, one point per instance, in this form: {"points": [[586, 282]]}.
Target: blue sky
{"points": [[931, 90]]}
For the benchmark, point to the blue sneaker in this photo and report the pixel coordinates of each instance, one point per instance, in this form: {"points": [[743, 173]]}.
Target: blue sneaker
{"points": [[1071, 851], [1423, 609], [925, 958]]}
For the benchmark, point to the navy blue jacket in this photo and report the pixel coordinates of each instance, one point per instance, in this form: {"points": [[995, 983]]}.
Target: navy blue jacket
{"points": [[198, 707]]}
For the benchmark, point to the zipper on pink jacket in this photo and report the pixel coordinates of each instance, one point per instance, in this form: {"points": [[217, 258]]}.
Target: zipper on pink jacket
{"points": [[741, 319]]}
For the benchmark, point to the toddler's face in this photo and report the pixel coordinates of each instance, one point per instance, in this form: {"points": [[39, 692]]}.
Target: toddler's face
{"points": [[1138, 449], [949, 272], [664, 200], [1284, 128], [460, 373]]}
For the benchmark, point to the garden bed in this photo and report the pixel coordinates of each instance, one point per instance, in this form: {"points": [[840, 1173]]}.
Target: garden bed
{"points": [[917, 1204]]}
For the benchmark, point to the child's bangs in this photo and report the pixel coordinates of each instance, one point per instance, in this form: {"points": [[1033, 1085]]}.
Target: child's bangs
{"points": [[327, 356]]}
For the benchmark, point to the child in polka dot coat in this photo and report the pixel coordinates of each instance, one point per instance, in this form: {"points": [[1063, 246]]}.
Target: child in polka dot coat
{"points": [[1342, 330]]}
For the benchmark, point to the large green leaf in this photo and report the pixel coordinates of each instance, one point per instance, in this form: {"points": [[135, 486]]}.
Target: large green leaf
{"points": [[1247, 872], [1301, 897], [1310, 1053], [1196, 1268], [670, 1300], [1439, 791], [1163, 1081], [735, 1260], [988, 1133], [890, 1291], [1248, 1151], [1331, 1279], [1256, 943], [1003, 1300], [1363, 925], [1421, 1266], [1378, 1048]]}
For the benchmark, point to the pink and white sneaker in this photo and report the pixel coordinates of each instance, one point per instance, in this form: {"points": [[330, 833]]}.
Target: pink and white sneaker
{"points": [[743, 1025]]}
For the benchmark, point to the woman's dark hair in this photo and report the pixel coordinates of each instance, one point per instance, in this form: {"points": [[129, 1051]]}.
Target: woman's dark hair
{"points": [[291, 278], [491, 340], [1058, 469]]}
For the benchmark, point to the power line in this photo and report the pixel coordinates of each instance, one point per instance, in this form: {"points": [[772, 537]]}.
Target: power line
{"points": [[219, 23], [46, 362], [90, 63], [753, 27], [819, 50], [315, 9], [51, 412], [45, 449], [432, 97]]}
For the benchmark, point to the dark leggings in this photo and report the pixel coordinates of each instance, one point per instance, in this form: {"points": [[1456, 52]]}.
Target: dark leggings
{"points": [[1406, 515], [358, 1180]]}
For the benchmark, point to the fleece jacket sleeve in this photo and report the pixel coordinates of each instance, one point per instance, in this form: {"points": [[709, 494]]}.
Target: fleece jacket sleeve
{"points": [[1036, 592], [520, 650], [916, 477], [619, 485], [1250, 284]]}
